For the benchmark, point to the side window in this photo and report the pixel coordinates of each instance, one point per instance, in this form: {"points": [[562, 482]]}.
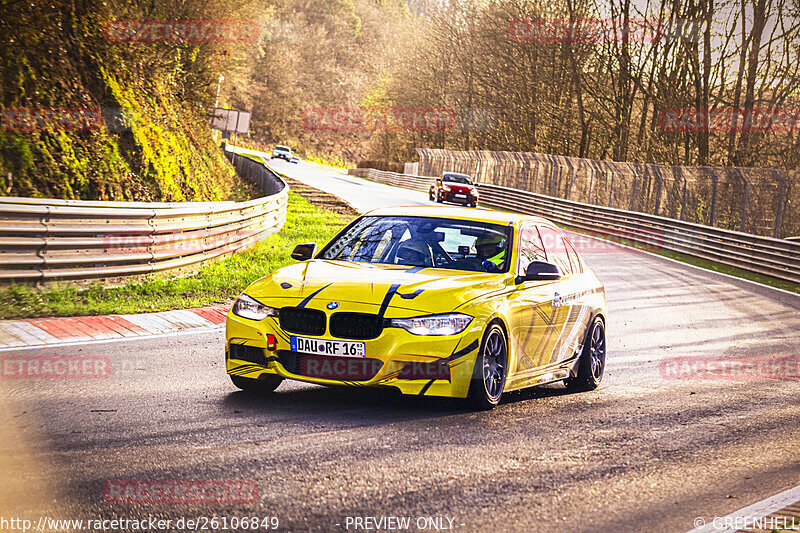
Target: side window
{"points": [[530, 248], [574, 258], [556, 249]]}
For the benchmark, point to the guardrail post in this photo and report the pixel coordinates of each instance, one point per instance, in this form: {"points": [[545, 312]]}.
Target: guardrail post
{"points": [[679, 171], [659, 184], [781, 199], [715, 187], [745, 199], [536, 172], [634, 189], [571, 179], [611, 189]]}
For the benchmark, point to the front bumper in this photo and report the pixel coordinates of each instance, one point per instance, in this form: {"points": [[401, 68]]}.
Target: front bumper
{"points": [[414, 364], [469, 199]]}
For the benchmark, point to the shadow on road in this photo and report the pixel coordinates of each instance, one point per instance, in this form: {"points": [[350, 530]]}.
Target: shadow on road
{"points": [[376, 404]]}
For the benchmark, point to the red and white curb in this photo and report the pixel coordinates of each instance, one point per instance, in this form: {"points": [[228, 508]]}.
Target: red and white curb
{"points": [[38, 332]]}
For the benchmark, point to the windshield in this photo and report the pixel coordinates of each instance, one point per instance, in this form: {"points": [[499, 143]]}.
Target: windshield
{"points": [[280, 148], [424, 242], [457, 178]]}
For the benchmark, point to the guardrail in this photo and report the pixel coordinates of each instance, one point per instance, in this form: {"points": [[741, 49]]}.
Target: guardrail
{"points": [[43, 239], [779, 258]]}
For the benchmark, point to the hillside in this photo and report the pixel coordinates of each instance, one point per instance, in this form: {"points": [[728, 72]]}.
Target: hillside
{"points": [[88, 115]]}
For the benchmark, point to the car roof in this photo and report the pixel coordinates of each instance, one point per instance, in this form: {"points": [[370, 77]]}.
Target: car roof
{"points": [[461, 213]]}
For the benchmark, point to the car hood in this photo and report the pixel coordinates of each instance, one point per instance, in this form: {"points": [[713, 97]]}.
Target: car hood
{"points": [[458, 188], [430, 290]]}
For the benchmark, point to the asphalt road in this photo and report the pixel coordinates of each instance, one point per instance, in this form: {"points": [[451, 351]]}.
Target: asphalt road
{"points": [[645, 452], [363, 195]]}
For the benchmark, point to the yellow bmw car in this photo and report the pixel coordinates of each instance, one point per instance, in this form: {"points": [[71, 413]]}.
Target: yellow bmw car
{"points": [[435, 301]]}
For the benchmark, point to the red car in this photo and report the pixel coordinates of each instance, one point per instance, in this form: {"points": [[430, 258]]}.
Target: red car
{"points": [[455, 188]]}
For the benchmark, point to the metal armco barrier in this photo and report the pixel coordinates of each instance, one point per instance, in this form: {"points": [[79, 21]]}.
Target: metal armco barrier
{"points": [[43, 239], [778, 258]]}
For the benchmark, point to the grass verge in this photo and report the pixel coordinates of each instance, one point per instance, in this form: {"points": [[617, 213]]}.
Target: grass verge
{"points": [[216, 282]]}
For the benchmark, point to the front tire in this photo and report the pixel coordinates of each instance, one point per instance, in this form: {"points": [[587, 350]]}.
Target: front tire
{"points": [[592, 362], [491, 369], [431, 196], [265, 384]]}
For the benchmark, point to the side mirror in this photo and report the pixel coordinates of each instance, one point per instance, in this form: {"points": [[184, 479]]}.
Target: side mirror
{"points": [[305, 251], [541, 271]]}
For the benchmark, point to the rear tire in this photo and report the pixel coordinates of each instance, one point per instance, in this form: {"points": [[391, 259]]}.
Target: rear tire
{"points": [[491, 369], [265, 384], [592, 362]]}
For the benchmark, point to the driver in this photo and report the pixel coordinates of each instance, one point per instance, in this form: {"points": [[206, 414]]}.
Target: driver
{"points": [[491, 249], [414, 253]]}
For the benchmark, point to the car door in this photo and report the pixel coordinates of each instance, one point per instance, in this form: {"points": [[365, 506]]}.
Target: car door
{"points": [[535, 322], [571, 297]]}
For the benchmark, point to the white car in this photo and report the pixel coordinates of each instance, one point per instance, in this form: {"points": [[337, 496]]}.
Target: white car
{"points": [[282, 152]]}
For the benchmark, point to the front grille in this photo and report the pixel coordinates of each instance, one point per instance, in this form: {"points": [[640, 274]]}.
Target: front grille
{"points": [[302, 321], [251, 354], [327, 367], [356, 325]]}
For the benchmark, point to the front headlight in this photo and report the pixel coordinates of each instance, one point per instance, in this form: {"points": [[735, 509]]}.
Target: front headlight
{"points": [[446, 187], [451, 324], [247, 307]]}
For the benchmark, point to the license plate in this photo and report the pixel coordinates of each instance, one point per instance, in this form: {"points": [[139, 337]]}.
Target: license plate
{"points": [[328, 347], [461, 195]]}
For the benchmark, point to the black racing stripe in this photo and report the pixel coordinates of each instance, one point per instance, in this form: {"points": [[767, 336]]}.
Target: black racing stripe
{"points": [[393, 290], [282, 334], [455, 355], [426, 387], [412, 295], [388, 298], [244, 369], [462, 352], [312, 295]]}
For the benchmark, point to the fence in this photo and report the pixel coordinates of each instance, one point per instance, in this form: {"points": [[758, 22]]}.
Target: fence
{"points": [[43, 239], [778, 258], [763, 201]]}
